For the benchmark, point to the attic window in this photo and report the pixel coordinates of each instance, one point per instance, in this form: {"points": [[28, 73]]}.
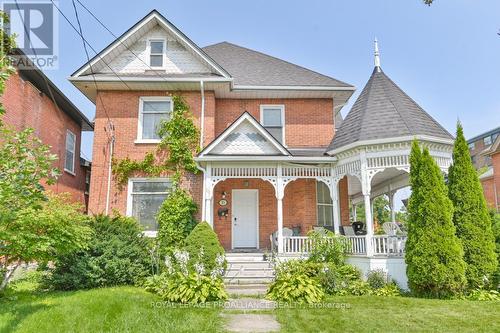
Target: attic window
{"points": [[157, 50]]}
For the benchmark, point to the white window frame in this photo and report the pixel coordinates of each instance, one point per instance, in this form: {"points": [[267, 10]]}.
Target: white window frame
{"points": [[489, 138], [164, 53], [143, 99], [323, 204], [274, 106], [131, 181], [68, 132]]}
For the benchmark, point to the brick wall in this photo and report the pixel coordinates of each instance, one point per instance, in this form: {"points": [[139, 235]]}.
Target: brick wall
{"points": [[308, 122], [492, 184], [122, 108], [26, 107]]}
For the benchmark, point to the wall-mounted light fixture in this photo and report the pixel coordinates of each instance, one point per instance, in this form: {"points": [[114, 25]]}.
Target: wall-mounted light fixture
{"points": [[224, 194]]}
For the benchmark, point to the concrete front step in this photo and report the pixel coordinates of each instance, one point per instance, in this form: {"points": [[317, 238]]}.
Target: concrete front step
{"points": [[247, 280], [249, 273], [247, 289], [245, 257], [249, 265]]}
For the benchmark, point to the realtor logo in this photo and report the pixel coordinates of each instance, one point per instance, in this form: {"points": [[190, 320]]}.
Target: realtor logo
{"points": [[35, 25]]}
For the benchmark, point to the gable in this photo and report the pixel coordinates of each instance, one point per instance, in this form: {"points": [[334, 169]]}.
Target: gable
{"points": [[135, 59], [245, 137], [128, 53]]}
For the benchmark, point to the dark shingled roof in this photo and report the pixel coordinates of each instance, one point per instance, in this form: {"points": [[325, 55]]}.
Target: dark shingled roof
{"points": [[383, 111], [252, 68]]}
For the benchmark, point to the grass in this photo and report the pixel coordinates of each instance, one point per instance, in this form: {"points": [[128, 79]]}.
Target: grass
{"points": [[119, 309], [130, 309], [394, 314]]}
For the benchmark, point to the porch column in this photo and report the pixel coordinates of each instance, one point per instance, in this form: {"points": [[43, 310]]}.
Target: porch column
{"points": [[279, 196], [366, 189], [208, 193], [391, 194], [334, 194]]}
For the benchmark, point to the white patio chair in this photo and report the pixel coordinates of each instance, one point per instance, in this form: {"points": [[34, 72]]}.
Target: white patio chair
{"points": [[391, 228], [287, 232]]}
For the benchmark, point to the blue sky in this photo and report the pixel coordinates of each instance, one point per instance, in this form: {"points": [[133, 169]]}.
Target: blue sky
{"points": [[446, 57]]}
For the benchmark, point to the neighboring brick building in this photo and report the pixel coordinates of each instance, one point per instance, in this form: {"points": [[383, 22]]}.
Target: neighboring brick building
{"points": [[491, 178], [28, 103], [268, 160], [478, 144]]}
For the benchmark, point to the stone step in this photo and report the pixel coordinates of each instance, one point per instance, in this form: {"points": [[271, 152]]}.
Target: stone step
{"points": [[249, 265], [247, 289], [249, 273], [247, 280], [246, 257]]}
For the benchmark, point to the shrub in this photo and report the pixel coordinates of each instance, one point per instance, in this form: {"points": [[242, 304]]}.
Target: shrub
{"points": [[117, 255], [297, 287], [376, 278], [203, 245], [483, 295], [335, 280], [175, 219], [495, 218], [297, 266], [189, 284], [357, 288], [389, 290], [187, 289], [434, 255], [470, 216], [327, 248]]}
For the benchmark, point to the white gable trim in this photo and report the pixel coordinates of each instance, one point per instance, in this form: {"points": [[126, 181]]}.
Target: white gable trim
{"points": [[245, 117], [162, 21]]}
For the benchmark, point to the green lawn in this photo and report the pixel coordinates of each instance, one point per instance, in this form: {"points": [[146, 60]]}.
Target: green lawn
{"points": [[394, 314], [121, 309], [129, 309]]}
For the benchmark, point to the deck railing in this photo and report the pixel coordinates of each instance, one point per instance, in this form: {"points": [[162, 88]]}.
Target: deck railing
{"points": [[389, 245], [382, 245]]}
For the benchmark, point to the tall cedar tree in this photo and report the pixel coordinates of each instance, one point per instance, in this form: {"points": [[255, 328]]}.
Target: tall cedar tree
{"points": [[471, 217], [434, 255]]}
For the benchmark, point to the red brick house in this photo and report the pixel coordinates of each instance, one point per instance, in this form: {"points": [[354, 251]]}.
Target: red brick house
{"points": [[491, 178], [31, 100], [276, 157]]}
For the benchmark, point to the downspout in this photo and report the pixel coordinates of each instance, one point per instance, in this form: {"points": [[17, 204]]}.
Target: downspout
{"points": [[203, 212], [202, 120], [111, 148]]}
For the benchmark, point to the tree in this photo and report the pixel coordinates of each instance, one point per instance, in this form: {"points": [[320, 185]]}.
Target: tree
{"points": [[471, 216], [434, 255], [40, 232], [6, 68]]}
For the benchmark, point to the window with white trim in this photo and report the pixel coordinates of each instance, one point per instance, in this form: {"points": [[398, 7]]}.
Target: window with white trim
{"points": [[156, 52], [152, 111], [487, 141], [472, 145], [324, 205], [145, 199], [272, 119], [69, 159]]}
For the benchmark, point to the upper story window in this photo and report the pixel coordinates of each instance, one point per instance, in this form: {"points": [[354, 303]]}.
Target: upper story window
{"points": [[324, 205], [145, 196], [472, 145], [272, 117], [152, 111], [494, 137], [487, 141], [69, 160], [156, 52]]}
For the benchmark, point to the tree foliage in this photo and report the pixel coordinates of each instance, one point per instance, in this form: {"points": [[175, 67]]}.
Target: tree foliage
{"points": [[203, 242], [434, 255], [179, 141], [175, 219], [118, 254], [471, 216], [6, 68], [40, 232]]}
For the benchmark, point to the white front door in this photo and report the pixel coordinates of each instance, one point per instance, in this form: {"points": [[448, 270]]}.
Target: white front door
{"points": [[245, 215]]}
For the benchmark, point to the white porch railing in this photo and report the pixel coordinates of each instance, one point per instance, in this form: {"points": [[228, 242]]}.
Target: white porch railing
{"points": [[389, 245], [382, 245]]}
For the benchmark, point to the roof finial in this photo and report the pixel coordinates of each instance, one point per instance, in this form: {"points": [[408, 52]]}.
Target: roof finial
{"points": [[377, 56]]}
